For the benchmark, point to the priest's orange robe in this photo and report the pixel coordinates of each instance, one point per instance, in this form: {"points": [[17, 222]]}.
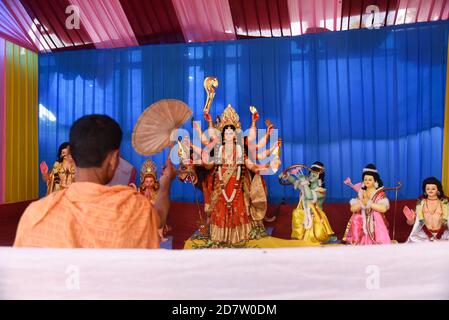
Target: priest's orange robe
{"points": [[89, 215]]}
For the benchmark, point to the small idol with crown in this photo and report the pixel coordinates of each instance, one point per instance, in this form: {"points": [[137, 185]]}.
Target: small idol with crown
{"points": [[368, 224], [309, 221], [149, 187], [429, 219]]}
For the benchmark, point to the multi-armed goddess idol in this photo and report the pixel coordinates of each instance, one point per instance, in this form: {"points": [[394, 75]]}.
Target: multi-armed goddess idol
{"points": [[235, 195]]}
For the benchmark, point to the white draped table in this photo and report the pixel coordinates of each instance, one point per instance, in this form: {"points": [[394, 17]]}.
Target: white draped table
{"points": [[404, 271]]}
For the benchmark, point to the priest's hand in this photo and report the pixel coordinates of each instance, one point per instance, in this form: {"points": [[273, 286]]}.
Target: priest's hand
{"points": [[169, 172], [162, 203]]}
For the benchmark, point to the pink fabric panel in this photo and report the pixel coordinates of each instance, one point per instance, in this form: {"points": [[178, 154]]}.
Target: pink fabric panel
{"points": [[9, 28], [106, 23], [2, 120], [402, 12], [12, 27], [437, 10], [336, 12], [205, 20], [413, 6], [305, 14], [328, 14], [27, 26], [424, 12], [445, 14]]}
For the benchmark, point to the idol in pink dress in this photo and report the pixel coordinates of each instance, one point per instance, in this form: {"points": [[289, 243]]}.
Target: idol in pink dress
{"points": [[368, 224]]}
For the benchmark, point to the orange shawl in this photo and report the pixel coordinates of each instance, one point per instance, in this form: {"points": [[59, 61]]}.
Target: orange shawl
{"points": [[89, 215]]}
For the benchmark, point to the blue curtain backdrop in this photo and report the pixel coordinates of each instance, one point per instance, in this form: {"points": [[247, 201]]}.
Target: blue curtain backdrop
{"points": [[344, 98]]}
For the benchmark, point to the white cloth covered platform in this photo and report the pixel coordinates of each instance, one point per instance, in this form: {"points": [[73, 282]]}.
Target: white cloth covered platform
{"points": [[406, 271]]}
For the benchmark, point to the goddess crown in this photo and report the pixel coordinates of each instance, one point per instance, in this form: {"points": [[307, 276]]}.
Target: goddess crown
{"points": [[229, 117]]}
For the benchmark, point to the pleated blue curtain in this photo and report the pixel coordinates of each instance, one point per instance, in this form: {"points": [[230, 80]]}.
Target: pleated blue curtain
{"points": [[344, 98]]}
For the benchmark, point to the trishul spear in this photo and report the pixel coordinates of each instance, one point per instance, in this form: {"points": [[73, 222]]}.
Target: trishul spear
{"points": [[210, 84]]}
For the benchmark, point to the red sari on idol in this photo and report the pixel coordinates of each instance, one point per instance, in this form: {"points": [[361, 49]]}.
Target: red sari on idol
{"points": [[229, 218]]}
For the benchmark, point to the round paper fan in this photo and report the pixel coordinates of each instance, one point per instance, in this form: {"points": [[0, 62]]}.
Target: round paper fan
{"points": [[152, 131]]}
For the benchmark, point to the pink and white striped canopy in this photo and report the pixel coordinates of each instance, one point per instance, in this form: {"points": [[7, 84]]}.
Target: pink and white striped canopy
{"points": [[51, 25]]}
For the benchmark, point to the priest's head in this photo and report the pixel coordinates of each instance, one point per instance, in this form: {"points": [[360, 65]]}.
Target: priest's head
{"points": [[94, 145]]}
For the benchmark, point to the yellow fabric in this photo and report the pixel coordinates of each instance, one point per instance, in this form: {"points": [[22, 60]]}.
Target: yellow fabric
{"points": [[320, 231], [258, 196], [445, 173], [21, 124], [418, 211], [420, 214], [266, 242], [60, 178]]}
